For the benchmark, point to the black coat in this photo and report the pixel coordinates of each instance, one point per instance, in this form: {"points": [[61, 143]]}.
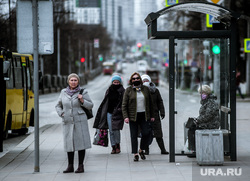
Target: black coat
{"points": [[117, 118], [159, 110]]}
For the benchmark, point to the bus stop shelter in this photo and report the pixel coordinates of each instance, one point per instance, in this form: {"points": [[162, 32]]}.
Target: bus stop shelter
{"points": [[227, 83]]}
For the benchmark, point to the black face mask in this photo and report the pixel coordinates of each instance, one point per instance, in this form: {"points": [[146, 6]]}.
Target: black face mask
{"points": [[115, 87], [136, 83]]}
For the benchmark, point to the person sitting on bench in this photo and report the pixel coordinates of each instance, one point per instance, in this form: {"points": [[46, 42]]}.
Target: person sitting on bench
{"points": [[208, 114]]}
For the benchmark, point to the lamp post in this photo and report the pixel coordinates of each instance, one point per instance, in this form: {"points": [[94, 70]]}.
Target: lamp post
{"points": [[206, 53]]}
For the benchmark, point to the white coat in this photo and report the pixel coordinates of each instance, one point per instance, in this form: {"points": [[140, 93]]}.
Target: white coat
{"points": [[74, 120]]}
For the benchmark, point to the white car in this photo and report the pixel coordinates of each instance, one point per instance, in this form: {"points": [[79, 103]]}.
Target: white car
{"points": [[124, 65], [142, 66]]}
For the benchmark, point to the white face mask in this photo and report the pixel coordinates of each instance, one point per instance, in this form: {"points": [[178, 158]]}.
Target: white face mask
{"points": [[146, 84]]}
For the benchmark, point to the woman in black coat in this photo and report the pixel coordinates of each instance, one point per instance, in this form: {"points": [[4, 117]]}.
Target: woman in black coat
{"points": [[159, 110], [109, 114]]}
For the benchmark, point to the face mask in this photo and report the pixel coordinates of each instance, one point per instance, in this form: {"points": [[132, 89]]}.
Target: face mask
{"points": [[136, 83], [116, 86], [203, 96], [146, 84]]}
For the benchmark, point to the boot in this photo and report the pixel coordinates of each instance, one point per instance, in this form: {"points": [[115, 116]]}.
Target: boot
{"points": [[80, 169], [113, 149], [81, 156], [69, 169], [161, 145], [118, 149], [70, 163]]}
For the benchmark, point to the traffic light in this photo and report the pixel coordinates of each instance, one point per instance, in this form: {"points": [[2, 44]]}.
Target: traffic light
{"points": [[216, 49], [139, 45], [82, 59], [209, 67], [100, 57], [185, 62]]}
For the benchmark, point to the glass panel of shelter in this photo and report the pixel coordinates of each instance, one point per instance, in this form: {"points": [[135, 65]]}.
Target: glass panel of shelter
{"points": [[199, 62]]}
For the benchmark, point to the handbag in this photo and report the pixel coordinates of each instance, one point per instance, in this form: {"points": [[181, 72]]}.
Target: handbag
{"points": [[190, 123], [101, 137], [96, 137], [88, 112]]}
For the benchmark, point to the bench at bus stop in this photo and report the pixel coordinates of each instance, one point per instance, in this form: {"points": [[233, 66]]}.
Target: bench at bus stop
{"points": [[211, 144]]}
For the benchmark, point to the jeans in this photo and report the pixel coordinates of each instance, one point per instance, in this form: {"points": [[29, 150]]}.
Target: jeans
{"points": [[239, 90], [145, 132], [115, 136]]}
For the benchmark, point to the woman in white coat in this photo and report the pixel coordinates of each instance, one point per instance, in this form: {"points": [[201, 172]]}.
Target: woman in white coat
{"points": [[74, 121]]}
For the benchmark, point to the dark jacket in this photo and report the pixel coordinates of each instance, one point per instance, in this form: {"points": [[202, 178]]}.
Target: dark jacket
{"points": [[129, 105], [101, 116], [209, 114], [159, 110]]}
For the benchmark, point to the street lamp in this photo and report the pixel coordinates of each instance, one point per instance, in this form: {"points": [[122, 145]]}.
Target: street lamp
{"points": [[206, 53]]}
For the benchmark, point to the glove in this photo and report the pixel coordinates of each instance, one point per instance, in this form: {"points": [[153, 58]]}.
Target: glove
{"points": [[162, 116]]}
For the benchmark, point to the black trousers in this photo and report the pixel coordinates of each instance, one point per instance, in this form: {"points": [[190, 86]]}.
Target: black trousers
{"points": [[145, 132], [239, 90], [191, 138]]}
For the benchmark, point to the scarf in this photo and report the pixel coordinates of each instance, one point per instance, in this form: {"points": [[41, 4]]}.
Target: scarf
{"points": [[137, 88], [72, 92], [150, 85]]}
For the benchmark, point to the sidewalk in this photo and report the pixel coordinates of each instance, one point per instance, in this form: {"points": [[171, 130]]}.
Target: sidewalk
{"points": [[18, 164]]}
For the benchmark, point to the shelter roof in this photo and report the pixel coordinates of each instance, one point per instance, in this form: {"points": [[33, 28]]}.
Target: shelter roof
{"points": [[220, 13]]}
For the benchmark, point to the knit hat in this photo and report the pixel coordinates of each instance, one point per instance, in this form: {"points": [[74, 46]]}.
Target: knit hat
{"points": [[145, 76], [73, 75], [116, 77]]}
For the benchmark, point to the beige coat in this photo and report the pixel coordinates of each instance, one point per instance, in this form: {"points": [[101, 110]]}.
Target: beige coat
{"points": [[74, 121]]}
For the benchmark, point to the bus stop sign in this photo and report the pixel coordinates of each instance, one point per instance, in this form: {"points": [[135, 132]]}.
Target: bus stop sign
{"points": [[247, 45], [171, 2], [215, 1]]}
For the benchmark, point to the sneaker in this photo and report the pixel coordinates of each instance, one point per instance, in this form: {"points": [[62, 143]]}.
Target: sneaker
{"points": [[118, 150], [113, 149], [136, 158], [164, 152], [142, 155]]}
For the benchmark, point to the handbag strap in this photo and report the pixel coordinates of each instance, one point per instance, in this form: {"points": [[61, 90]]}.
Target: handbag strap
{"points": [[81, 91]]}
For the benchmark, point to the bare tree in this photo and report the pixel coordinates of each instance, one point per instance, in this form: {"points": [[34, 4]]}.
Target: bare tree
{"points": [[71, 35], [8, 26]]}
